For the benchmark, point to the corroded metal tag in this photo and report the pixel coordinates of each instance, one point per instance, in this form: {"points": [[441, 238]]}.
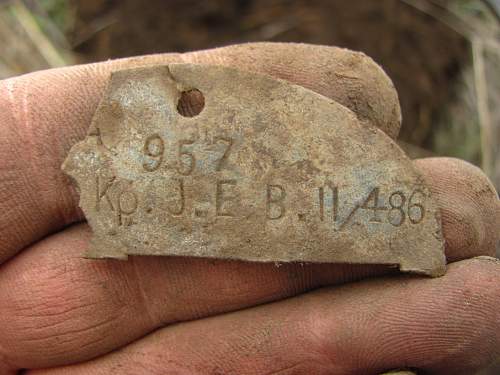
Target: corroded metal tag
{"points": [[267, 171]]}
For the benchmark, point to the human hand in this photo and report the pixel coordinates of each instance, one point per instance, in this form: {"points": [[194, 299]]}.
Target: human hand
{"points": [[71, 315]]}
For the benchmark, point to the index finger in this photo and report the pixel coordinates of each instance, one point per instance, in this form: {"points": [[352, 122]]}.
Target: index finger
{"points": [[43, 114]]}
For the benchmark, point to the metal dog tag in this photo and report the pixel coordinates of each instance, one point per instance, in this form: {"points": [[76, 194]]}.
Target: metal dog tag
{"points": [[266, 171]]}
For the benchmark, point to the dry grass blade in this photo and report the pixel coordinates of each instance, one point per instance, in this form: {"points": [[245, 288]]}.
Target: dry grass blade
{"points": [[486, 126], [53, 57], [27, 47]]}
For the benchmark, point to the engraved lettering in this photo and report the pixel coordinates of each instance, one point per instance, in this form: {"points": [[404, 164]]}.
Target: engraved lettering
{"points": [[127, 205], [181, 202], [221, 197], [201, 213], [186, 159], [350, 216], [127, 202], [335, 202], [102, 192], [396, 214], [416, 211], [229, 143], [154, 149], [275, 202], [96, 132], [374, 198], [322, 195]]}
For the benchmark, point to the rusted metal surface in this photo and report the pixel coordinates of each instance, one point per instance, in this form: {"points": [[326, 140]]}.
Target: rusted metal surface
{"points": [[267, 171]]}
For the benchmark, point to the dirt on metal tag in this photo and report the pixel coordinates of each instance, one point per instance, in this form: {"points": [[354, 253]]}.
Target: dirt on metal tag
{"points": [[207, 161]]}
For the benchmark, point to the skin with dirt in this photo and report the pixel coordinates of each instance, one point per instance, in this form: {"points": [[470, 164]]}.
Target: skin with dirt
{"points": [[215, 162]]}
